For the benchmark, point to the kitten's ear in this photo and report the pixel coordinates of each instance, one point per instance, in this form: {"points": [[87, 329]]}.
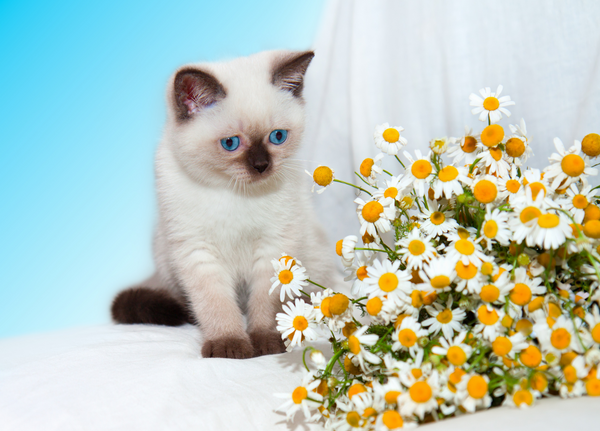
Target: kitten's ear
{"points": [[289, 72], [195, 90]]}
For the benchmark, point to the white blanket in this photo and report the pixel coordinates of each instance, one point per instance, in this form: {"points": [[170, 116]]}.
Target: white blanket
{"points": [[153, 378]]}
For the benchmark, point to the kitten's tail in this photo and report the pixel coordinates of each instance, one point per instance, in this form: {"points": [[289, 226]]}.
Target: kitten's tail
{"points": [[151, 306]]}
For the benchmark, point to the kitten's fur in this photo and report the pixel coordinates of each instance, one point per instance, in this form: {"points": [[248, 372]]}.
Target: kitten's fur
{"points": [[223, 216]]}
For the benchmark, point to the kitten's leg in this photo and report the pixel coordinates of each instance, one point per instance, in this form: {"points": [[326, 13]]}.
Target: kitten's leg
{"points": [[262, 309], [211, 292]]}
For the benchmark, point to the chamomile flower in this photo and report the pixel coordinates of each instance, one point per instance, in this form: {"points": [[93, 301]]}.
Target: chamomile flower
{"points": [[375, 216], [493, 161], [438, 275], [445, 318], [290, 275], [419, 172], [296, 323], [370, 168], [495, 292], [521, 397], [558, 339], [485, 189], [525, 289], [495, 228], [302, 398], [416, 249], [389, 391], [421, 396], [452, 376], [448, 181], [550, 231], [490, 321], [455, 349], [463, 248], [465, 148], [322, 176], [518, 146], [346, 249], [440, 145], [525, 214], [593, 320], [576, 201], [508, 346], [490, 105], [393, 189], [407, 335], [568, 166], [356, 343], [385, 278], [435, 222], [390, 420], [388, 139], [473, 390], [358, 273], [469, 278]]}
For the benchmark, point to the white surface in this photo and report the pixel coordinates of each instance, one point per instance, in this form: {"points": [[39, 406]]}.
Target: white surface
{"points": [[153, 378], [414, 63]]}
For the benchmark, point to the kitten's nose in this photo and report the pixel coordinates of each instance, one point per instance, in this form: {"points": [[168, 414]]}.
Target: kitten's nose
{"points": [[261, 165]]}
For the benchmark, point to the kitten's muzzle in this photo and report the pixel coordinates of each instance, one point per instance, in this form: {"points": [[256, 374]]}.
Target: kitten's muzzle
{"points": [[259, 158]]}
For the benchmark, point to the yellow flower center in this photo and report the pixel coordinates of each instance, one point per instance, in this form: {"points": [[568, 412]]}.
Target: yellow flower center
{"points": [[485, 191], [371, 211], [406, 202], [507, 321], [416, 247], [440, 281], [390, 192], [487, 317], [570, 374], [513, 186], [548, 221], [456, 356], [339, 304], [560, 338], [455, 378], [522, 396], [407, 337], [492, 135], [490, 229], [531, 357], [374, 306], [300, 323], [489, 293], [501, 346], [591, 145], [353, 419], [515, 147], [338, 247], [445, 316], [391, 397], [366, 167], [554, 310], [361, 273], [392, 419], [592, 212], [465, 247], [496, 153], [538, 382], [286, 276], [477, 387], [286, 259], [591, 229], [323, 176], [369, 412], [529, 213], [420, 392], [520, 294], [416, 298], [537, 187], [417, 373], [487, 268], [469, 145], [325, 307], [466, 272], [448, 173], [349, 329], [580, 202], [354, 344], [299, 394], [491, 104], [536, 304], [592, 386], [437, 218], [572, 165], [388, 282], [524, 326], [356, 388], [421, 169], [391, 135], [596, 333]]}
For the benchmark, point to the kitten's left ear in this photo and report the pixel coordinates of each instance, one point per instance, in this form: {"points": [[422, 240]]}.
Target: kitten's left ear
{"points": [[289, 72]]}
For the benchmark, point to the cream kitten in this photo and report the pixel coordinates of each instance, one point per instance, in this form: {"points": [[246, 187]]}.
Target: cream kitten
{"points": [[230, 200]]}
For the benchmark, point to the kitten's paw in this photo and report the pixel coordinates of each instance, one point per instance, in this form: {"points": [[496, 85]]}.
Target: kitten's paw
{"points": [[267, 342], [227, 347]]}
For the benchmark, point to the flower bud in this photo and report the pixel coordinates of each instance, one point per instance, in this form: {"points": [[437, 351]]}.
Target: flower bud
{"points": [[523, 259], [423, 341]]}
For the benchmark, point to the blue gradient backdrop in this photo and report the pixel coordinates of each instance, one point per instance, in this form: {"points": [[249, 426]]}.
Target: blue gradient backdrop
{"points": [[81, 111]]}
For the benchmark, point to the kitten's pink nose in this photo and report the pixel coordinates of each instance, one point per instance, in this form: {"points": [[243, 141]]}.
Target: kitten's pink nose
{"points": [[261, 165]]}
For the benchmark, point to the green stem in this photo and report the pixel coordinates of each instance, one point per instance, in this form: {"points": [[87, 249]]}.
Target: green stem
{"points": [[388, 173], [352, 185], [364, 181], [304, 358], [316, 284], [400, 161], [333, 360], [370, 249]]}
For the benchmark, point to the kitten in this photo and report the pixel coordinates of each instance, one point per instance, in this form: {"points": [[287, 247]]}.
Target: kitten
{"points": [[230, 200]]}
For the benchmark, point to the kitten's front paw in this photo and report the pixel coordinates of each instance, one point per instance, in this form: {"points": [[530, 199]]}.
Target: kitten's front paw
{"points": [[267, 342], [227, 347]]}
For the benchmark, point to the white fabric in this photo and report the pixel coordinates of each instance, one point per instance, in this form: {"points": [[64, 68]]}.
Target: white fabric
{"points": [[152, 378], [414, 63]]}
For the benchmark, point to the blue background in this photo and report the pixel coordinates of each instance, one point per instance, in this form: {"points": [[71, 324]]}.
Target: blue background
{"points": [[82, 109]]}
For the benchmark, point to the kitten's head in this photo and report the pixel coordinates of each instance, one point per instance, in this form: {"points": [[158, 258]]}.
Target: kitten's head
{"points": [[237, 122]]}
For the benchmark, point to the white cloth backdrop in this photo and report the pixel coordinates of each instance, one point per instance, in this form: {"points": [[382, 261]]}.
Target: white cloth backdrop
{"points": [[414, 64]]}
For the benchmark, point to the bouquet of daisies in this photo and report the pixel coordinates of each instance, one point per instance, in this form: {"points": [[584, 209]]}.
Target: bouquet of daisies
{"points": [[474, 282]]}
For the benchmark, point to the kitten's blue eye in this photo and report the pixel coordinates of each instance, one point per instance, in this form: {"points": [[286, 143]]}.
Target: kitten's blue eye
{"points": [[278, 136], [230, 144]]}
